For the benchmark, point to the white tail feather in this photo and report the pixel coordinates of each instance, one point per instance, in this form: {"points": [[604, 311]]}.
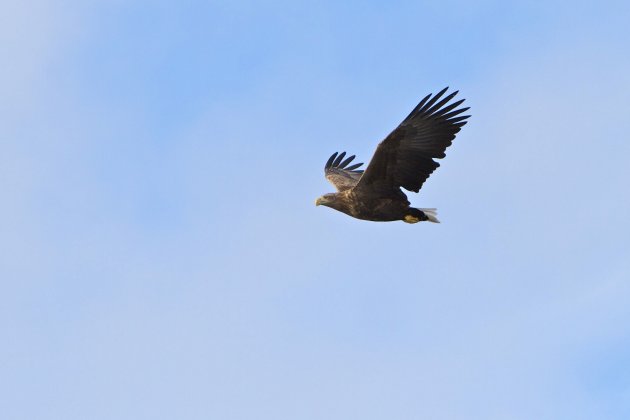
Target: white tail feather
{"points": [[431, 214]]}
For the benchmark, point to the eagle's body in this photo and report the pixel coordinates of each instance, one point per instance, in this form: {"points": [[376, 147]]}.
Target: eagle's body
{"points": [[404, 159], [369, 207]]}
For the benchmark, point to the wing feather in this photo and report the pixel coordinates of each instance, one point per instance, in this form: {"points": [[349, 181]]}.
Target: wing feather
{"points": [[341, 175], [405, 158], [338, 160]]}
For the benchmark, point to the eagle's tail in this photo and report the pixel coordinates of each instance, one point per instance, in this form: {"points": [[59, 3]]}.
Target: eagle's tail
{"points": [[431, 215]]}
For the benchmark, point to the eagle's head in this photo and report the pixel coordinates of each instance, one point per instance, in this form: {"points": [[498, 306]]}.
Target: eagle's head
{"points": [[326, 200]]}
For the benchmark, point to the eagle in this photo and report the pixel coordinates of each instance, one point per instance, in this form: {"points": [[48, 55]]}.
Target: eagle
{"points": [[405, 159]]}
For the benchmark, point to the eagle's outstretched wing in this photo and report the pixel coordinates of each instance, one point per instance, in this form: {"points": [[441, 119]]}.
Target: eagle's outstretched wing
{"points": [[341, 175], [405, 157]]}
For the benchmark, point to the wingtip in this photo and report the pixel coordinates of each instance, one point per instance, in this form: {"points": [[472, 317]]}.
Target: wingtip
{"points": [[339, 159], [330, 160]]}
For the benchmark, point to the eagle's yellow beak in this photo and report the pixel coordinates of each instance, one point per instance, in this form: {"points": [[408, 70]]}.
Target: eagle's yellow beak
{"points": [[319, 201]]}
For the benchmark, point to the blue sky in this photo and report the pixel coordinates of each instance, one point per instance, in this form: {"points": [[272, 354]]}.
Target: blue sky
{"points": [[161, 256]]}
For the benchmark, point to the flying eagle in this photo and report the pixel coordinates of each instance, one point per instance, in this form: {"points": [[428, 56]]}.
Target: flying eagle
{"points": [[404, 159]]}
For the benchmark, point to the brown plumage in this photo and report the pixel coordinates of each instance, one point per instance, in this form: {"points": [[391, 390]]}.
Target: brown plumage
{"points": [[404, 159]]}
